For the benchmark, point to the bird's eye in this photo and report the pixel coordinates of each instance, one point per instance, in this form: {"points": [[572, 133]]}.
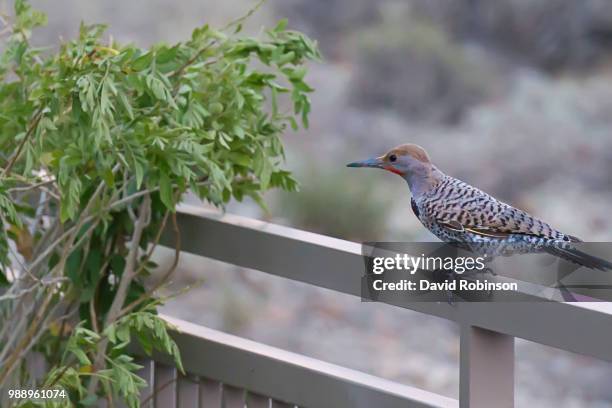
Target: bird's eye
{"points": [[392, 158]]}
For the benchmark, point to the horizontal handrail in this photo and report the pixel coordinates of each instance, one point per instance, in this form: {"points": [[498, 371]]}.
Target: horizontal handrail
{"points": [[336, 264], [286, 376]]}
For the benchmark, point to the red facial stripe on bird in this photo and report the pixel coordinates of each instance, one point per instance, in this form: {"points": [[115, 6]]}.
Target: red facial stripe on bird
{"points": [[393, 170]]}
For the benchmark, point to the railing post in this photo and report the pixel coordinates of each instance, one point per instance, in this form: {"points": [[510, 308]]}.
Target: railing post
{"points": [[486, 369]]}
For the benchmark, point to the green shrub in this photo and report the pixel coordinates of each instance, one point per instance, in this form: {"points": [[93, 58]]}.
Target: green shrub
{"points": [[98, 142]]}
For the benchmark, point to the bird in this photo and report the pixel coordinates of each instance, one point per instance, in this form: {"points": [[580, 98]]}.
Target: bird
{"points": [[459, 213]]}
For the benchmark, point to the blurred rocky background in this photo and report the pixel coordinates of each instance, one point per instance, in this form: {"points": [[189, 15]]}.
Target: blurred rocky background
{"points": [[513, 96]]}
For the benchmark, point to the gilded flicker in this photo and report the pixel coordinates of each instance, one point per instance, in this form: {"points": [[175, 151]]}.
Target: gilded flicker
{"points": [[457, 212]]}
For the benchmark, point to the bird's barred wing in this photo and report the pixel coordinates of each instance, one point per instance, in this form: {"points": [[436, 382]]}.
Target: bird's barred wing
{"points": [[456, 226], [472, 210]]}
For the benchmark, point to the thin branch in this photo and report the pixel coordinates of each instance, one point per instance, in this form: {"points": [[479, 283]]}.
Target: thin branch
{"points": [[58, 376], [64, 320], [92, 311], [157, 391], [31, 186], [51, 248], [42, 310], [9, 365], [124, 284], [243, 18], [165, 276], [192, 59], [73, 231], [160, 230], [132, 258], [38, 283], [30, 131], [42, 242], [21, 309], [45, 323]]}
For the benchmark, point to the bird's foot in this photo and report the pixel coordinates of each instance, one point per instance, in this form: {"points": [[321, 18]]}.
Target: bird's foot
{"points": [[450, 297], [445, 275]]}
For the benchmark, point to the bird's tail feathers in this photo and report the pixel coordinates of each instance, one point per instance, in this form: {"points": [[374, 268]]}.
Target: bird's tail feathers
{"points": [[569, 253]]}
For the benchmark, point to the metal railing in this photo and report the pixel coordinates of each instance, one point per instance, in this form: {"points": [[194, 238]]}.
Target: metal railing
{"points": [[238, 368], [231, 372]]}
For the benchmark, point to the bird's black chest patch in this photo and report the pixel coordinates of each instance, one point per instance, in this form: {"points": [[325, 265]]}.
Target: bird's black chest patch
{"points": [[415, 209]]}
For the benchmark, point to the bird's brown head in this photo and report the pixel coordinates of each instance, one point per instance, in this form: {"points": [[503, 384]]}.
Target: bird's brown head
{"points": [[405, 160]]}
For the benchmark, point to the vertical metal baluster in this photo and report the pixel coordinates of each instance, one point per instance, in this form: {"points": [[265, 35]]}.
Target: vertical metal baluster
{"points": [[232, 397], [165, 386], [257, 401], [188, 392], [209, 393], [147, 372], [486, 369]]}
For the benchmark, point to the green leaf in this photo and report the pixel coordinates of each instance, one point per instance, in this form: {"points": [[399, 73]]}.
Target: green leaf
{"points": [[73, 264], [240, 158], [142, 62], [117, 264], [281, 25], [140, 171], [166, 55], [3, 280], [265, 174], [126, 105], [165, 190]]}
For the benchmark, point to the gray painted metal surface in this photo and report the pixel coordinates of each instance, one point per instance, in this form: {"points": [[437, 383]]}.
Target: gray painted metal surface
{"points": [[336, 264], [272, 375], [268, 372], [486, 377]]}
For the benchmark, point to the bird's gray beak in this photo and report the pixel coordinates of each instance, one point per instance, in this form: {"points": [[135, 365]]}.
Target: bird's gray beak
{"points": [[375, 162]]}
